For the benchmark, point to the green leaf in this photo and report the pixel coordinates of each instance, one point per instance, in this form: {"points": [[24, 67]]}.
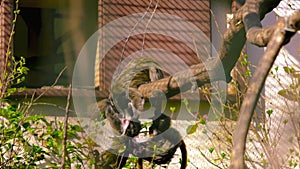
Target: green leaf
{"points": [[223, 155], [289, 70], [185, 101], [172, 109], [202, 121], [292, 86], [55, 134], [192, 128], [43, 120], [11, 91], [269, 112], [228, 139], [26, 125], [122, 149], [211, 150], [16, 11], [19, 81], [9, 64], [288, 94], [248, 73], [77, 128]]}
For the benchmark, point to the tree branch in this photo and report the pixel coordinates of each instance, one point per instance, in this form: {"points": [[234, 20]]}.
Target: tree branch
{"points": [[261, 37], [233, 42], [181, 81], [252, 95], [280, 34]]}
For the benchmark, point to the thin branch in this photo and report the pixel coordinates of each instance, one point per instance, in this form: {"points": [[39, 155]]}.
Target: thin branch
{"points": [[208, 160], [64, 143], [34, 100], [54, 83], [3, 77], [272, 157], [147, 25], [132, 30], [216, 23], [52, 105]]}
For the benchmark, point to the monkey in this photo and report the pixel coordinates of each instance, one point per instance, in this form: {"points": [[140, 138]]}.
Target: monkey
{"points": [[161, 128], [120, 111], [112, 115], [160, 125], [123, 125], [161, 122], [131, 128], [123, 109], [169, 137]]}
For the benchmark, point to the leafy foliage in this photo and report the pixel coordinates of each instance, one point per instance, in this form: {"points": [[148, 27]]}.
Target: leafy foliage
{"points": [[32, 141]]}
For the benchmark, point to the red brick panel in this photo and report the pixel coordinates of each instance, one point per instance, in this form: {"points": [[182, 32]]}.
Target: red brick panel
{"points": [[6, 10], [193, 11]]}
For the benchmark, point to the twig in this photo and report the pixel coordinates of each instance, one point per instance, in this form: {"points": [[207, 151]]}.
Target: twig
{"points": [[3, 77], [147, 25], [34, 100], [132, 30], [64, 152], [216, 23], [52, 105], [55, 82], [208, 160]]}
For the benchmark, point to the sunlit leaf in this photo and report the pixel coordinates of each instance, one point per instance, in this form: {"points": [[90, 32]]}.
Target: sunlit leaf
{"points": [[269, 112], [288, 94], [172, 109], [289, 70], [211, 150], [223, 155], [202, 121], [192, 128]]}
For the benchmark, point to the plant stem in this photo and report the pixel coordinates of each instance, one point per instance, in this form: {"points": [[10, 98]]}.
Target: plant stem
{"points": [[64, 152]]}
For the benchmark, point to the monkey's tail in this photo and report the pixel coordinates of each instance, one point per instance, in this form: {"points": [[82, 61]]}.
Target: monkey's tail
{"points": [[183, 155]]}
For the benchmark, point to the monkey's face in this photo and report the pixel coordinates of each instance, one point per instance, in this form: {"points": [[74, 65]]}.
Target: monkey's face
{"points": [[123, 111], [118, 122], [124, 125]]}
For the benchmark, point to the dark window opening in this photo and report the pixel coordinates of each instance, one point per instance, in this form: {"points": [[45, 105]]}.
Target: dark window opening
{"points": [[50, 34]]}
